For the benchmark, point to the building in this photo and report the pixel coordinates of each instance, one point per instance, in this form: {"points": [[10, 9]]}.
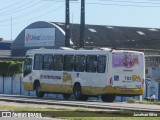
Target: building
{"points": [[5, 48], [5, 45], [52, 35]]}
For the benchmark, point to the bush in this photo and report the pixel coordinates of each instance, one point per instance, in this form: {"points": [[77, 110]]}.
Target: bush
{"points": [[10, 68]]}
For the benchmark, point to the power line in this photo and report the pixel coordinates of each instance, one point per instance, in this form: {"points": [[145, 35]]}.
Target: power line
{"points": [[123, 5], [42, 7], [127, 1], [118, 4], [15, 10], [153, 0], [89, 3], [35, 16], [12, 5], [132, 3], [42, 14]]}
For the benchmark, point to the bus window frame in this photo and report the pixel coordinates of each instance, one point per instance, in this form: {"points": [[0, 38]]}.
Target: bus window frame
{"points": [[95, 64], [75, 63], [25, 71], [53, 64], [105, 64], [64, 63], [50, 64], [39, 63]]}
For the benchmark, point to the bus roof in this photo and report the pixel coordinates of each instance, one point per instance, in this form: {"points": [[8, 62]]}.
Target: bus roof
{"points": [[72, 51]]}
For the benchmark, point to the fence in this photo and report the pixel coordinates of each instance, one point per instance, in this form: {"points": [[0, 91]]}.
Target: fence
{"points": [[14, 86]]}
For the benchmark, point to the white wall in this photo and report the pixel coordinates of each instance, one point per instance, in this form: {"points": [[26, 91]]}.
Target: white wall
{"points": [[17, 88], [1, 85], [7, 85], [152, 86]]}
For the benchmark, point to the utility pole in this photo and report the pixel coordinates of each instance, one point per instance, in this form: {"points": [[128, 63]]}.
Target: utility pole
{"points": [[82, 25], [67, 25]]}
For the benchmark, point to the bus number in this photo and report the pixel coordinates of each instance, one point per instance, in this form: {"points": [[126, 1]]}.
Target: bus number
{"points": [[128, 78], [133, 77]]}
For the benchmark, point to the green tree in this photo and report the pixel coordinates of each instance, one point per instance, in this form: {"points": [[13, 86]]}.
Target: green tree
{"points": [[10, 68]]}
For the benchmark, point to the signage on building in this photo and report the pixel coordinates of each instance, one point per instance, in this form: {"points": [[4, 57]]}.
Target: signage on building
{"points": [[39, 37]]}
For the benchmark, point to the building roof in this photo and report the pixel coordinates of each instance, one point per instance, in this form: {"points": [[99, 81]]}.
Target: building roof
{"points": [[119, 37], [116, 36]]}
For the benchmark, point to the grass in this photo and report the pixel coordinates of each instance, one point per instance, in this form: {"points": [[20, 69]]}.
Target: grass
{"points": [[83, 114], [115, 118], [143, 102]]}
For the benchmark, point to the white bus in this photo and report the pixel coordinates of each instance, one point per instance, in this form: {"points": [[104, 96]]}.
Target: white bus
{"points": [[84, 73]]}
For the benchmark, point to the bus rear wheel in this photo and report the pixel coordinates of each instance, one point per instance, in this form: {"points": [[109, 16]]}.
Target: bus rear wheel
{"points": [[66, 95], [78, 93], [108, 97], [39, 94]]}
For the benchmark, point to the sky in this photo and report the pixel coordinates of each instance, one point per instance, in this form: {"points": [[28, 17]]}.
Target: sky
{"points": [[16, 15]]}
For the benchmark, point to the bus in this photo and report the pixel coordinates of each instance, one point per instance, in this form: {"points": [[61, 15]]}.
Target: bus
{"points": [[100, 72]]}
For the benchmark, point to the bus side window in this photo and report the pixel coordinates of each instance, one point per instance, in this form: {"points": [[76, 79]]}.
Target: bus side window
{"points": [[68, 63], [57, 62], [80, 62], [47, 62], [91, 65], [38, 59], [101, 64]]}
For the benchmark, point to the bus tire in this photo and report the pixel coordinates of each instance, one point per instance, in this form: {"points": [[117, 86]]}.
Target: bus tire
{"points": [[39, 94], [66, 95], [108, 97], [78, 93]]}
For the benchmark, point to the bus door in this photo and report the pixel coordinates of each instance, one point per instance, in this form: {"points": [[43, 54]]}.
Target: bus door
{"points": [[27, 74], [27, 67]]}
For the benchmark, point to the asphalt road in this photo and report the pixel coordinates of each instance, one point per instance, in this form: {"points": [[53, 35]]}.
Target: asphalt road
{"points": [[87, 104]]}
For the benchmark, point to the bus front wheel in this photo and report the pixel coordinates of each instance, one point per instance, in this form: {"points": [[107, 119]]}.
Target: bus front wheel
{"points": [[66, 95], [108, 97], [39, 94], [78, 93]]}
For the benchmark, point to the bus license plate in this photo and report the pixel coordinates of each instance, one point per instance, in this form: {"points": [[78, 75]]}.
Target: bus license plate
{"points": [[127, 91]]}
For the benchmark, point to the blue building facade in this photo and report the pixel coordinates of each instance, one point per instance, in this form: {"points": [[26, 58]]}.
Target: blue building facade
{"points": [[5, 45]]}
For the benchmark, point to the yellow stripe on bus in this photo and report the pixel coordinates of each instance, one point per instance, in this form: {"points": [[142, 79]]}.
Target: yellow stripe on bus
{"points": [[111, 90], [85, 89], [56, 88]]}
